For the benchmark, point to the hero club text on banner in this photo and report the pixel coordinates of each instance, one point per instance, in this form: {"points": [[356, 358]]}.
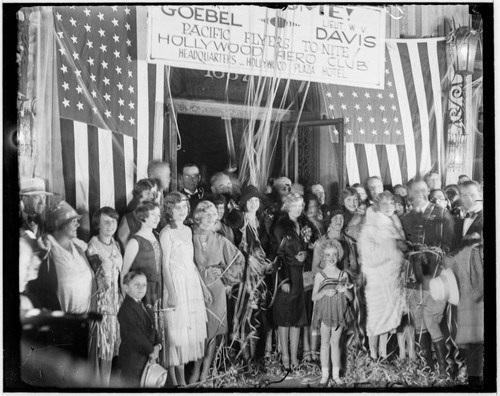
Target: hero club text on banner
{"points": [[323, 43]]}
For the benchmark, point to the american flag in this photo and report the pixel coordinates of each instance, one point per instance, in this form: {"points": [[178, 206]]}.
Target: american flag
{"points": [[97, 68], [395, 132], [111, 104]]}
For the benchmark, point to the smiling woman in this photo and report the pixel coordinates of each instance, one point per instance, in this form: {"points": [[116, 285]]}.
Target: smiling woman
{"points": [[69, 288], [106, 260], [143, 252]]}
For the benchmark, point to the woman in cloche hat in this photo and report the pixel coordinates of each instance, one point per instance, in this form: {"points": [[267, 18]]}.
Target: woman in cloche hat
{"points": [[70, 287]]}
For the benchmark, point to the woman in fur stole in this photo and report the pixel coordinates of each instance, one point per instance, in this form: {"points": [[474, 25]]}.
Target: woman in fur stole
{"points": [[381, 264]]}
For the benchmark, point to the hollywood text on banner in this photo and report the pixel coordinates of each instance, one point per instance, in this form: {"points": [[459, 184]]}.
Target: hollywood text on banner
{"points": [[323, 43]]}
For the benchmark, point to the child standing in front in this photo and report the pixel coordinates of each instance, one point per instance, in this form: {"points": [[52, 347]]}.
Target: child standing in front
{"points": [[332, 294], [139, 338]]}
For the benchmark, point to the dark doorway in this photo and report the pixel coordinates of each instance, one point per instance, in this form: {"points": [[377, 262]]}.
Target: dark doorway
{"points": [[204, 142]]}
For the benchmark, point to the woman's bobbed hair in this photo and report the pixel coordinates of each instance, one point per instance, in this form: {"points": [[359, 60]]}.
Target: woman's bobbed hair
{"points": [[201, 209], [171, 199], [142, 211]]}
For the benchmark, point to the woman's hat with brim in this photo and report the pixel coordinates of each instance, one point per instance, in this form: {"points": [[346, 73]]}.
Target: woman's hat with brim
{"points": [[153, 376], [248, 192], [33, 186], [60, 214], [445, 288]]}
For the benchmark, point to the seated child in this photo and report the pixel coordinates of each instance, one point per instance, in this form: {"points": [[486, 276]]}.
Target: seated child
{"points": [[139, 338]]}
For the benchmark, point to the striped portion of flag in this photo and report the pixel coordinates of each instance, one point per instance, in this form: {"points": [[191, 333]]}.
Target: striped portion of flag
{"points": [[100, 167], [96, 167], [415, 71]]}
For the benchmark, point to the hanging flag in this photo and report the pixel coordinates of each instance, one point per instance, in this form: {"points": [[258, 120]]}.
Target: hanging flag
{"points": [[111, 104], [96, 65], [395, 133]]}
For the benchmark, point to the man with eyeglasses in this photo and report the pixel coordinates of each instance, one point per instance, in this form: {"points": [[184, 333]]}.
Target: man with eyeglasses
{"points": [[191, 180], [437, 197]]}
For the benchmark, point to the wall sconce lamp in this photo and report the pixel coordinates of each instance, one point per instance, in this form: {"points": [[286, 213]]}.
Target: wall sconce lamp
{"points": [[465, 43]]}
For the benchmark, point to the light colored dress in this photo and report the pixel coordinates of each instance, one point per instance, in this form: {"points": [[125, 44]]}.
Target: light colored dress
{"points": [[109, 297], [186, 326], [381, 264], [214, 250], [74, 276]]}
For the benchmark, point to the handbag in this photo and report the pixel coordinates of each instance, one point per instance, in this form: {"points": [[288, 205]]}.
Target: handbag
{"points": [[153, 376]]}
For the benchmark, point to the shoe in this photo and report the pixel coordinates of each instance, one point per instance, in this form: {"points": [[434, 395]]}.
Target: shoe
{"points": [[425, 346], [325, 376], [307, 356], [335, 375], [440, 348], [314, 356], [285, 362]]}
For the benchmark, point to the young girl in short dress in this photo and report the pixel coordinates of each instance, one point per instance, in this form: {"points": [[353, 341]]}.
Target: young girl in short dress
{"points": [[332, 294], [186, 323]]}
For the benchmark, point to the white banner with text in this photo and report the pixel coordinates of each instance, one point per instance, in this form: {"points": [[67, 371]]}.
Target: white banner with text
{"points": [[323, 43]]}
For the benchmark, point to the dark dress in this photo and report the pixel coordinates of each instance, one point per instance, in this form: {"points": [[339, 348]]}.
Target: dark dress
{"points": [[138, 338], [134, 224], [289, 309], [148, 261]]}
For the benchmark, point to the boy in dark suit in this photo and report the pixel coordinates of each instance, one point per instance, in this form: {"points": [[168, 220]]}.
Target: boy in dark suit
{"points": [[139, 338]]}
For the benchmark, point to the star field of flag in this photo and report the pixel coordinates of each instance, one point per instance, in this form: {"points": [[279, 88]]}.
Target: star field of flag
{"points": [[96, 66], [370, 115]]}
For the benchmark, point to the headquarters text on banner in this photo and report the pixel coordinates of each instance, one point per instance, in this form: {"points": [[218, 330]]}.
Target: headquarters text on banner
{"points": [[323, 43]]}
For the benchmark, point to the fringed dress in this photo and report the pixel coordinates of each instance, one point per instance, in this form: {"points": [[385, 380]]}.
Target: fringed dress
{"points": [[186, 325], [109, 297], [333, 311]]}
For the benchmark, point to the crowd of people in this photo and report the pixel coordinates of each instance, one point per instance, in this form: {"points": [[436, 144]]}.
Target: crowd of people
{"points": [[280, 272]]}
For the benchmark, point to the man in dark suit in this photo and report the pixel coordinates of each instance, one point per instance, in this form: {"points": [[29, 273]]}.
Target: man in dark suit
{"points": [[470, 229], [433, 226], [139, 338]]}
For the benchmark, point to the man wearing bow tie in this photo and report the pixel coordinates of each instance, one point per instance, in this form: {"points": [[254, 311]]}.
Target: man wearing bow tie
{"points": [[468, 265], [431, 225], [191, 180], [470, 229]]}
